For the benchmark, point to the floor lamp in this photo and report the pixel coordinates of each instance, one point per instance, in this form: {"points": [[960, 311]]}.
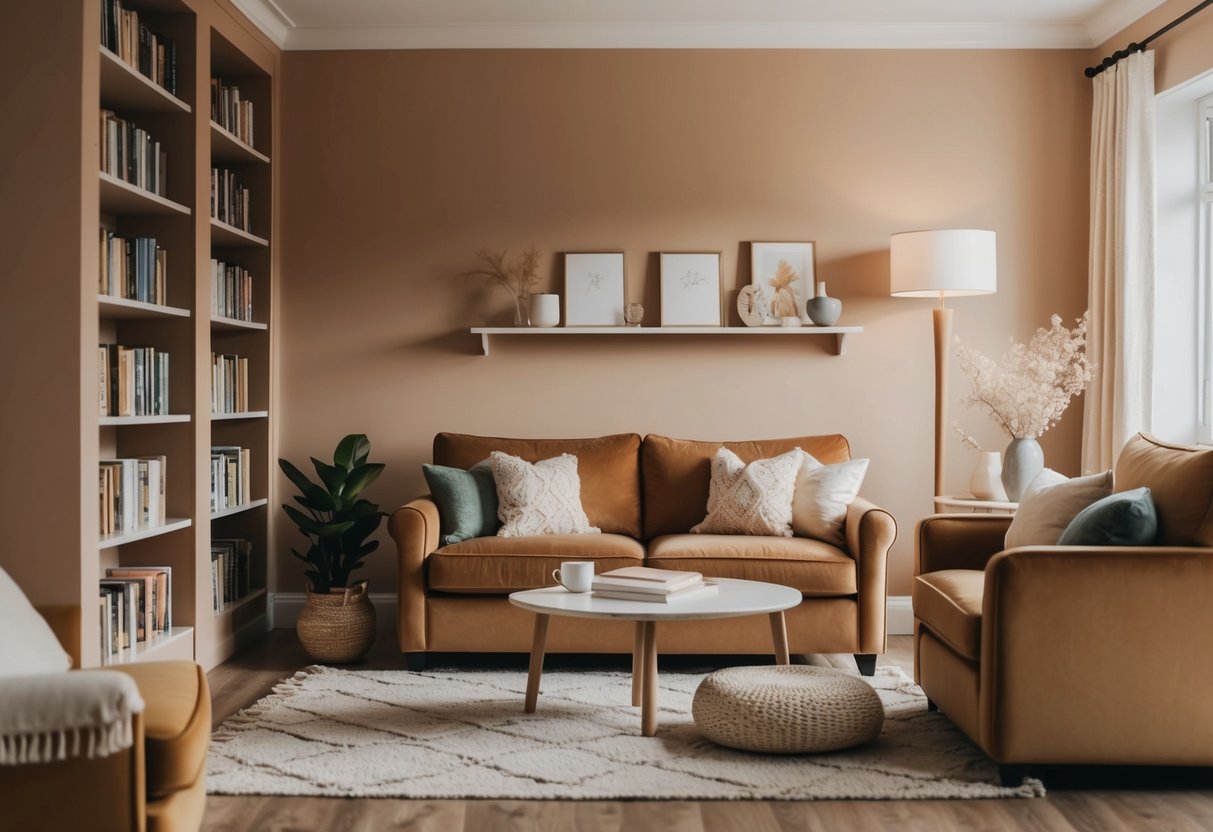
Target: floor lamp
{"points": [[945, 263]]}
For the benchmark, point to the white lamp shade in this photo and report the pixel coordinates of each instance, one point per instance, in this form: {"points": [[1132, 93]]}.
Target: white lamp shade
{"points": [[949, 262]]}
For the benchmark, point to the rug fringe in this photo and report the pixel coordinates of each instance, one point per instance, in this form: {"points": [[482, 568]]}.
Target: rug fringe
{"points": [[248, 717]]}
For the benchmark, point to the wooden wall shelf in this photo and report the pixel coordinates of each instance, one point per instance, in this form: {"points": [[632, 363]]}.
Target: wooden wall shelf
{"points": [[838, 334]]}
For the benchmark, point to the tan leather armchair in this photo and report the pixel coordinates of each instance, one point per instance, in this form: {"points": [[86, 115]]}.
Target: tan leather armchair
{"points": [[158, 784], [1076, 655]]}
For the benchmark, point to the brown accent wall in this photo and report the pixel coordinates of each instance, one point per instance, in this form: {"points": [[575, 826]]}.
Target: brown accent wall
{"points": [[397, 166]]}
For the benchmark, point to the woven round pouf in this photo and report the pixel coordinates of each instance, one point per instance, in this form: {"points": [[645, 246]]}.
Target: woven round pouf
{"points": [[787, 709]]}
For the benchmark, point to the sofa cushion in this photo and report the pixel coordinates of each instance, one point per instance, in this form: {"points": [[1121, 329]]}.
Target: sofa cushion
{"points": [[499, 565], [541, 497], [1050, 502], [949, 602], [1126, 518], [27, 645], [466, 500], [754, 498], [811, 566], [1180, 479], [677, 473], [176, 723], [609, 467]]}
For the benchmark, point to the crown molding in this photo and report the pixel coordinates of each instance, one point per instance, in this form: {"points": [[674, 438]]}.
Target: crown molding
{"points": [[267, 16], [1117, 16]]}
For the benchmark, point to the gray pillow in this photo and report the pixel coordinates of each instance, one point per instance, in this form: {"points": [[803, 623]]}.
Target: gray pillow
{"points": [[466, 500], [1126, 518]]}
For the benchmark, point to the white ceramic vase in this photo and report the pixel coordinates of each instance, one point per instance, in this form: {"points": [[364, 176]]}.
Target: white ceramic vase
{"points": [[985, 483], [545, 310], [1024, 460]]}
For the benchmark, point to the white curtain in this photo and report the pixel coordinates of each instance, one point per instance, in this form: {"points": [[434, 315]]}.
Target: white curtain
{"points": [[1120, 335]]}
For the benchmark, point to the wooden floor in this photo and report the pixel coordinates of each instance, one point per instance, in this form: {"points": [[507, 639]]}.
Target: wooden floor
{"points": [[1095, 800]]}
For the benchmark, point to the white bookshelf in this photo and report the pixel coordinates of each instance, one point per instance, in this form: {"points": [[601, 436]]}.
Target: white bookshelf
{"points": [[837, 334], [108, 541]]}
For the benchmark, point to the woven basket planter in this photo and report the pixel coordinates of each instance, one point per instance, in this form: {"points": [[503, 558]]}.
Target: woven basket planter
{"points": [[338, 626]]}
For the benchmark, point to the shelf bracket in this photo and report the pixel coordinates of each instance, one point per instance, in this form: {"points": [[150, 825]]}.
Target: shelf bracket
{"points": [[484, 343], [840, 343]]}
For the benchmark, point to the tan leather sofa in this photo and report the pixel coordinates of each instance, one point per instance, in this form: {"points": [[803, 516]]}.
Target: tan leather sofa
{"points": [[1075, 655], [644, 496], [158, 785]]}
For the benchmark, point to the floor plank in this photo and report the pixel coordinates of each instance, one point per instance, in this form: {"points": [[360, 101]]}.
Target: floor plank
{"points": [[1084, 800]]}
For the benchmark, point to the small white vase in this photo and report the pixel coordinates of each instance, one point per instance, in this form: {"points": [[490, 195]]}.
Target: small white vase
{"points": [[985, 483], [545, 310], [1024, 460]]}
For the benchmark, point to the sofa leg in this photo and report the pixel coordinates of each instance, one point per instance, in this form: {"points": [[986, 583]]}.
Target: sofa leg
{"points": [[1011, 776], [867, 663], [415, 661]]}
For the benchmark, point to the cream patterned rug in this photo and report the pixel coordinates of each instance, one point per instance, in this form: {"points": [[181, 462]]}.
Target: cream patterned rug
{"points": [[462, 734]]}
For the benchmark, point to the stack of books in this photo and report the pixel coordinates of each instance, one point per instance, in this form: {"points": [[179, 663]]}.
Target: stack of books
{"points": [[136, 605], [230, 468], [230, 571], [643, 583]]}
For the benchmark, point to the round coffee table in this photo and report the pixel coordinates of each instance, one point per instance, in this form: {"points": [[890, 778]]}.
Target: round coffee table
{"points": [[735, 598]]}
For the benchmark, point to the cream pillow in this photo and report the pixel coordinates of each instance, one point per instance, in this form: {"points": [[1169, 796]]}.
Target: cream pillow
{"points": [[1050, 502], [27, 645], [538, 498], [751, 499], [823, 493]]}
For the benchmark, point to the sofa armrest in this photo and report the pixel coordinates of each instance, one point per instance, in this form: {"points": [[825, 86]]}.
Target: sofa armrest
{"points": [[958, 541], [1088, 651], [414, 527], [870, 532]]}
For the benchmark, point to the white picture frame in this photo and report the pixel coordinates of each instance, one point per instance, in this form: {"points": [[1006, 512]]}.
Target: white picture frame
{"points": [[788, 272], [690, 288], [593, 288]]}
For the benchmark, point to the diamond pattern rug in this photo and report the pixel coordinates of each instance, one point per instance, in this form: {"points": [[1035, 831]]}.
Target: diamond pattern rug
{"points": [[462, 734]]}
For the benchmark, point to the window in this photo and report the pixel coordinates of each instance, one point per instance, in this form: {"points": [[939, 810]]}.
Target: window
{"points": [[1204, 126]]}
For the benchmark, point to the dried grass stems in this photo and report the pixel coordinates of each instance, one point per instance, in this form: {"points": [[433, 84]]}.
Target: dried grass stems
{"points": [[518, 278]]}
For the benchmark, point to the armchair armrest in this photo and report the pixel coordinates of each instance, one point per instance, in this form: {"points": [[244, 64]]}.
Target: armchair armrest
{"points": [[870, 532], [958, 541], [54, 716], [1088, 651], [414, 527]]}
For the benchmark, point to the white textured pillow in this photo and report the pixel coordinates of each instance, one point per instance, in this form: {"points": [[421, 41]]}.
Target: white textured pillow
{"points": [[27, 644], [823, 493], [1050, 502], [538, 498], [751, 499]]}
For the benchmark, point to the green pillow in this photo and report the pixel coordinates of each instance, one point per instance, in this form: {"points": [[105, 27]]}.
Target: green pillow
{"points": [[466, 500], [1126, 518]]}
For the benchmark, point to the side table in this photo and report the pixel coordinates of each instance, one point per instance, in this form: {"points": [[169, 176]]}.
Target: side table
{"points": [[962, 502]]}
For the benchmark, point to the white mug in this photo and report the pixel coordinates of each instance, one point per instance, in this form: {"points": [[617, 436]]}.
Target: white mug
{"points": [[575, 575]]}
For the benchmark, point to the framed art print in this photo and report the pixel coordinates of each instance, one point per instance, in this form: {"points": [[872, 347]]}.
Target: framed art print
{"points": [[786, 272], [690, 288], [593, 288]]}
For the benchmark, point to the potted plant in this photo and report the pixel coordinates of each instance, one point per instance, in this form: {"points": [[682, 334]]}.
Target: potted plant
{"points": [[338, 622]]}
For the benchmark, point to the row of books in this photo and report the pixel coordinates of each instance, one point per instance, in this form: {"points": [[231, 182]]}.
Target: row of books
{"points": [[132, 381], [231, 569], [131, 494], [135, 605], [150, 53], [230, 469], [229, 199], [231, 291], [131, 154], [644, 583], [229, 384], [231, 112], [132, 267]]}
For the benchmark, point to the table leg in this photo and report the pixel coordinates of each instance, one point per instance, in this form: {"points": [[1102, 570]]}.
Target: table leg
{"points": [[779, 635], [537, 645], [648, 703], [637, 663]]}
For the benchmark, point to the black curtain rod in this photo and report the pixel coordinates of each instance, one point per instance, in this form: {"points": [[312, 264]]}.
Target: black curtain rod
{"points": [[1111, 60]]}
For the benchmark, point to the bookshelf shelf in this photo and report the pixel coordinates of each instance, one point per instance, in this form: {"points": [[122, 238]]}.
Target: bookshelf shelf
{"points": [[248, 414], [112, 307], [174, 524], [226, 147], [220, 322], [229, 236], [240, 509], [118, 197], [125, 88], [119, 421], [839, 333], [175, 643], [232, 606]]}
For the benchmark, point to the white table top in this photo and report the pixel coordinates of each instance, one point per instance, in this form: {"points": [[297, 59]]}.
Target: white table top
{"points": [[734, 598], [965, 501]]}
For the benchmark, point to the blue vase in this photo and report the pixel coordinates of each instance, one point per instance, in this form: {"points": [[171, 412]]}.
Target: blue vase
{"points": [[1021, 462]]}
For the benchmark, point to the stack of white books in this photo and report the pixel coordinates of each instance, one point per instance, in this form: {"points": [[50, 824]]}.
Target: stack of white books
{"points": [[643, 583]]}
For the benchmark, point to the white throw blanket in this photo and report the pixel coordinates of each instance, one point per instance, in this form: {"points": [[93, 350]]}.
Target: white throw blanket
{"points": [[57, 716]]}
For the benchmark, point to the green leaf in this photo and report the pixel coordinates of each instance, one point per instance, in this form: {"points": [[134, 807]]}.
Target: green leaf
{"points": [[333, 478], [321, 499], [360, 478], [334, 529], [301, 557], [352, 451], [297, 477], [306, 524]]}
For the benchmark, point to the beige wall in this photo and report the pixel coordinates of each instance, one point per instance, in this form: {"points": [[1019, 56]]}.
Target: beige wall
{"points": [[397, 166], [1179, 55]]}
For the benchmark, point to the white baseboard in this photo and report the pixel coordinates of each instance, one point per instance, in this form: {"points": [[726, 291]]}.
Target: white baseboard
{"points": [[286, 606]]}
